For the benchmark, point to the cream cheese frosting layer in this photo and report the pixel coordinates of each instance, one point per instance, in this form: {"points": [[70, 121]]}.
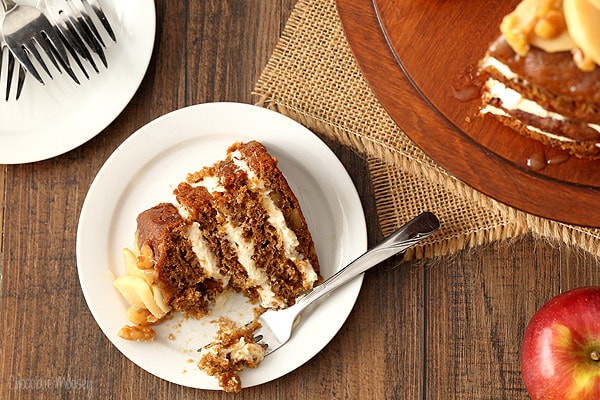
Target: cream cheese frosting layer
{"points": [[277, 220], [204, 254], [245, 248], [512, 100]]}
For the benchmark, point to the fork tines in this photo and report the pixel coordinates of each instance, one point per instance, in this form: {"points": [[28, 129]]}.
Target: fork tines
{"points": [[64, 32], [95, 6], [88, 23], [25, 43], [79, 30], [56, 31], [74, 43], [10, 73]]}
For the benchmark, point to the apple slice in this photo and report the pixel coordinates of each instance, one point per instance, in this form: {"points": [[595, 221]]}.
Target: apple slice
{"points": [[160, 300], [582, 19], [131, 264], [138, 293]]}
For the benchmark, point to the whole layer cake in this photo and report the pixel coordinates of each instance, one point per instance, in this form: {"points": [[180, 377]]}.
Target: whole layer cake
{"points": [[542, 75], [233, 226]]}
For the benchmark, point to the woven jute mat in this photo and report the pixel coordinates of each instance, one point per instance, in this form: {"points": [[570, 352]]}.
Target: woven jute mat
{"points": [[313, 78]]}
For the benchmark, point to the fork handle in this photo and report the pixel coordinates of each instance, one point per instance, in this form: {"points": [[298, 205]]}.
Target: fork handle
{"points": [[406, 236]]}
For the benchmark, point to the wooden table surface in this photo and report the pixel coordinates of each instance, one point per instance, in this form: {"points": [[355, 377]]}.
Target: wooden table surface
{"points": [[448, 328]]}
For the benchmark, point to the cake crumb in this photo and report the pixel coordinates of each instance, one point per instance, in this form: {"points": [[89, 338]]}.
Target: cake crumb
{"points": [[233, 349]]}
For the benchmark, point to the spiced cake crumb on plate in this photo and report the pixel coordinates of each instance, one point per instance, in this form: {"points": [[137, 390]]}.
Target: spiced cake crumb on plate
{"points": [[233, 349]]}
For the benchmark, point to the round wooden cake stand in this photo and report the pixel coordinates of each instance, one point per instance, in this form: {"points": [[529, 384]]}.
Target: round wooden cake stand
{"points": [[412, 54]]}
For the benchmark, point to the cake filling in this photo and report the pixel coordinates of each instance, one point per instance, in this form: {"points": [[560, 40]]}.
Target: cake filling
{"points": [[512, 103], [205, 255]]}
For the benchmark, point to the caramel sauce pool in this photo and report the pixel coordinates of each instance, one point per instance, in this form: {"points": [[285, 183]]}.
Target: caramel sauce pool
{"points": [[539, 160]]}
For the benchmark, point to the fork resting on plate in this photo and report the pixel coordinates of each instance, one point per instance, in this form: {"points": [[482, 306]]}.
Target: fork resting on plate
{"points": [[276, 325], [78, 30]]}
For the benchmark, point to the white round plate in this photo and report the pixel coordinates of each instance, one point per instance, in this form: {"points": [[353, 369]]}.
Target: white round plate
{"points": [[59, 116], [145, 169]]}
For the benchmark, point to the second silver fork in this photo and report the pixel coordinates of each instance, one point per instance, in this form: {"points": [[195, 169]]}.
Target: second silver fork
{"points": [[78, 29], [26, 29], [10, 72]]}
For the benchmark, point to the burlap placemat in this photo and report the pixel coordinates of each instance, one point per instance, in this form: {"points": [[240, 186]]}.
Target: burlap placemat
{"points": [[313, 78]]}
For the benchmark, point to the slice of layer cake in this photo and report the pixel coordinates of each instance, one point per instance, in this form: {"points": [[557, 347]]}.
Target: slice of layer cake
{"points": [[233, 226], [542, 75]]}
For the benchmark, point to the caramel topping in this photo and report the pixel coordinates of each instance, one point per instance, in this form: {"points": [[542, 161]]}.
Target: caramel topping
{"points": [[563, 79], [530, 19], [556, 26]]}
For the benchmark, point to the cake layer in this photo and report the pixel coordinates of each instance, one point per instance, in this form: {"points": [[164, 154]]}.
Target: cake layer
{"points": [[179, 273], [529, 93], [552, 80]]}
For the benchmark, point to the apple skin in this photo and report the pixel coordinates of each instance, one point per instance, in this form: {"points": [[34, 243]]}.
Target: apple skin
{"points": [[560, 354]]}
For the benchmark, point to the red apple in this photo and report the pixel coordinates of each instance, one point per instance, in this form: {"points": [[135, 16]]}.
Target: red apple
{"points": [[560, 356]]}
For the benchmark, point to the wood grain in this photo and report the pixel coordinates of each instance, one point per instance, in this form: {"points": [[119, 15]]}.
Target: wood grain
{"points": [[438, 329], [411, 55], [202, 53]]}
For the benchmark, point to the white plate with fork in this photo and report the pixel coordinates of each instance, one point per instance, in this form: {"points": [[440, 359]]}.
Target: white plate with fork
{"points": [[144, 170], [52, 119]]}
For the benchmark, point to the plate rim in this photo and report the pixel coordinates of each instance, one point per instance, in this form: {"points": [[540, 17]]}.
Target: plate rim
{"points": [[359, 230]]}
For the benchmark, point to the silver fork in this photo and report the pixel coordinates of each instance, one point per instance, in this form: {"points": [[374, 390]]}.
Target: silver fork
{"points": [[276, 325], [78, 29], [25, 29], [72, 33], [10, 68], [82, 5]]}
